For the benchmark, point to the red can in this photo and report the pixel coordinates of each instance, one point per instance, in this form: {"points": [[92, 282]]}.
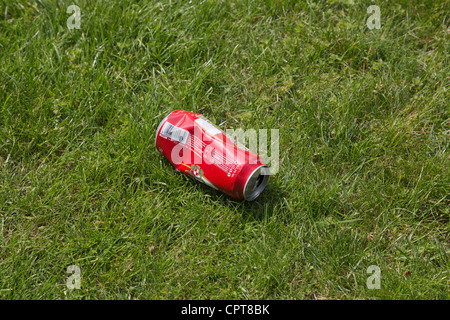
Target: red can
{"points": [[196, 147]]}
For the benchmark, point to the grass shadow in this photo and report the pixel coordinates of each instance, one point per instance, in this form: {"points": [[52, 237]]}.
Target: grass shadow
{"points": [[261, 208], [266, 204]]}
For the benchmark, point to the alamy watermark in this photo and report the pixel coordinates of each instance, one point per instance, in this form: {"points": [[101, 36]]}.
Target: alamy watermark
{"points": [[73, 22], [373, 281], [374, 21], [74, 281], [198, 148]]}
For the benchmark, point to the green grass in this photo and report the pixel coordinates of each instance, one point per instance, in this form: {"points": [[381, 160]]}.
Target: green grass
{"points": [[363, 120]]}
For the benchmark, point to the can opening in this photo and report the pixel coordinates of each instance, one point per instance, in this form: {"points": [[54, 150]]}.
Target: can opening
{"points": [[256, 183], [259, 180]]}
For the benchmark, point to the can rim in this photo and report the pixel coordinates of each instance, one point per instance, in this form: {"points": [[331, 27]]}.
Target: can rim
{"points": [[261, 186]]}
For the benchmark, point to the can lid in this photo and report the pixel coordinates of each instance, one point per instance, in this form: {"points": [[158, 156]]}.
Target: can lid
{"points": [[256, 182]]}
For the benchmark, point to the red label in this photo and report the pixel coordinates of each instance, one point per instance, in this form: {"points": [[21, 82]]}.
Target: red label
{"points": [[198, 148]]}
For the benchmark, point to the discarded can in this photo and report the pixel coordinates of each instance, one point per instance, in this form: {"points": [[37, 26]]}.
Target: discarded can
{"points": [[196, 147]]}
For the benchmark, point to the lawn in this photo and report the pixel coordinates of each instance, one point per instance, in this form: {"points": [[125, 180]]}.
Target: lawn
{"points": [[359, 208]]}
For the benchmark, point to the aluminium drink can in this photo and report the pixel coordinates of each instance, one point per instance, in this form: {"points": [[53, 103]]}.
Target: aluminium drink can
{"points": [[198, 148]]}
